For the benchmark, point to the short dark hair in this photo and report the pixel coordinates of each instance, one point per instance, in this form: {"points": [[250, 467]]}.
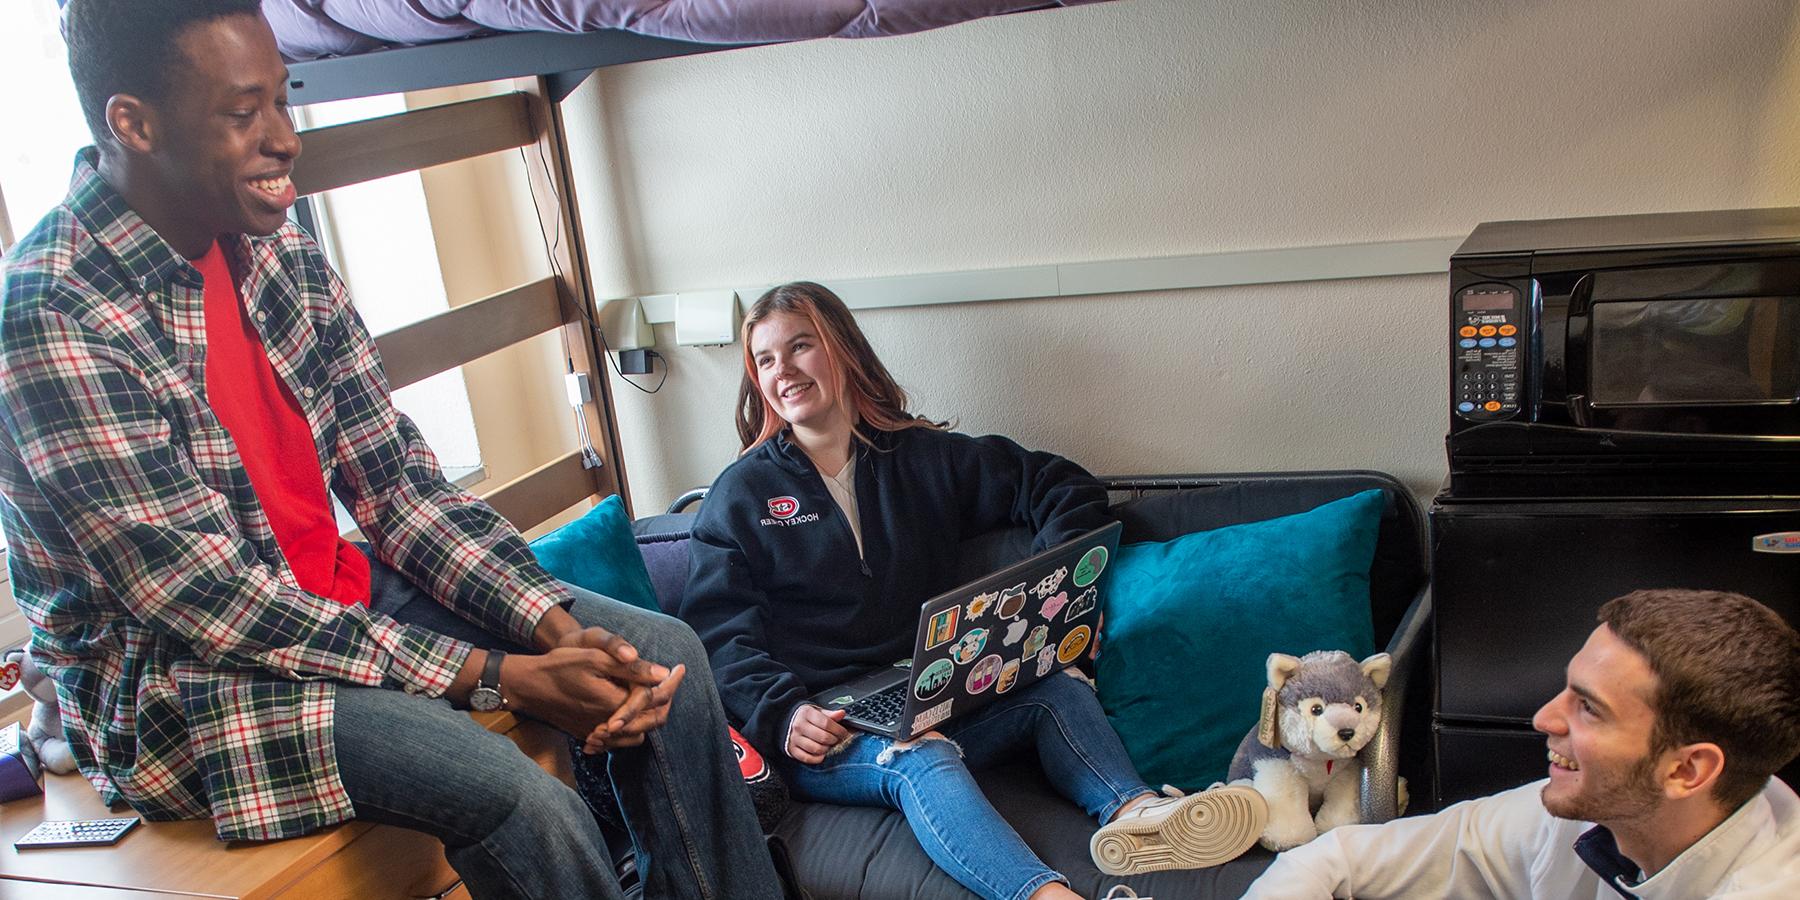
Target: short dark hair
{"points": [[1727, 671], [129, 47]]}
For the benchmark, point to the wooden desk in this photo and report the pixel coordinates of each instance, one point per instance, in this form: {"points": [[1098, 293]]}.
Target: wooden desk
{"points": [[37, 890], [184, 859]]}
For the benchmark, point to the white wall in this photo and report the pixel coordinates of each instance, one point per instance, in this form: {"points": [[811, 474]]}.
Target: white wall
{"points": [[1145, 128]]}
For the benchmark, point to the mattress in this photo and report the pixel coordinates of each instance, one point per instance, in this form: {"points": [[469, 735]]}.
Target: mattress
{"points": [[309, 29]]}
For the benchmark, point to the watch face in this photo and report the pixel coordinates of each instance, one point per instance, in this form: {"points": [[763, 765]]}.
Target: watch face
{"points": [[485, 699]]}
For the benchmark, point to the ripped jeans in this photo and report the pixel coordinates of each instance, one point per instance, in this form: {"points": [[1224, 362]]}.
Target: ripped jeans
{"points": [[929, 781]]}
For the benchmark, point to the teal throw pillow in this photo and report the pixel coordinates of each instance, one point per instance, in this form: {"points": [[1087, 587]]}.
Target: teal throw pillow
{"points": [[1190, 624], [598, 552]]}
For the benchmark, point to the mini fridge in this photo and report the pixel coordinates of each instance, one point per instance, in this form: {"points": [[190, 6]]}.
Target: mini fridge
{"points": [[1516, 586]]}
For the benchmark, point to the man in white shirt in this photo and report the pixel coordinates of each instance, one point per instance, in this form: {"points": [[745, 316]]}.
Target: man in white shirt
{"points": [[1676, 713]]}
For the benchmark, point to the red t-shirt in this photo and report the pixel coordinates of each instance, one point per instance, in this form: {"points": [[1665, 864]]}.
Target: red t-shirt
{"points": [[275, 442]]}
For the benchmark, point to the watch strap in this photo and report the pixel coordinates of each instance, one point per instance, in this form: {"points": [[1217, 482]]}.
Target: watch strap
{"points": [[490, 673]]}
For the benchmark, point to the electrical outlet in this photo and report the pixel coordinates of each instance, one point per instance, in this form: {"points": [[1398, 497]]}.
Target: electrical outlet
{"points": [[706, 318]]}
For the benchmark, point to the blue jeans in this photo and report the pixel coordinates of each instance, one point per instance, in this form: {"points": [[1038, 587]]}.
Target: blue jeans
{"points": [[930, 782], [511, 829]]}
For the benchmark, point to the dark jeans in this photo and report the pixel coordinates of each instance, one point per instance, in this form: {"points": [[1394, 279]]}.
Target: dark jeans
{"points": [[513, 830]]}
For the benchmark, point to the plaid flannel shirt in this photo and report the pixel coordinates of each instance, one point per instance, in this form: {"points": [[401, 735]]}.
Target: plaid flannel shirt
{"points": [[195, 676]]}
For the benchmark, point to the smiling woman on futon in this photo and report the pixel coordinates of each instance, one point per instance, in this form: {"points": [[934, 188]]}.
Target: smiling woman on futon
{"points": [[869, 504]]}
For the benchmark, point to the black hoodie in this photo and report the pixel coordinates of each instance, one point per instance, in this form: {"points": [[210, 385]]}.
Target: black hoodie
{"points": [[781, 597]]}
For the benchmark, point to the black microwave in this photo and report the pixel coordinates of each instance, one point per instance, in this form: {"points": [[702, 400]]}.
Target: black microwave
{"points": [[1647, 355]]}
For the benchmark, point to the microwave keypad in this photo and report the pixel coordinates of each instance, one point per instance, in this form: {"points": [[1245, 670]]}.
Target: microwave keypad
{"points": [[1485, 347]]}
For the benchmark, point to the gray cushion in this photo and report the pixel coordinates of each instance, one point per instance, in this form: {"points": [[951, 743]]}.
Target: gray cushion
{"points": [[843, 853]]}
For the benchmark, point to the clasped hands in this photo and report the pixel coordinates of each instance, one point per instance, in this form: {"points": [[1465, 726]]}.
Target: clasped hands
{"points": [[592, 682]]}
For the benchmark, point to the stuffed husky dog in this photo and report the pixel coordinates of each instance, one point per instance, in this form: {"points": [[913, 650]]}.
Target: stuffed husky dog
{"points": [[1319, 711], [45, 732]]}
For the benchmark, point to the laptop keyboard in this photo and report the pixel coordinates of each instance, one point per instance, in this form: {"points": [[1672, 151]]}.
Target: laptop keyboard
{"points": [[880, 709]]}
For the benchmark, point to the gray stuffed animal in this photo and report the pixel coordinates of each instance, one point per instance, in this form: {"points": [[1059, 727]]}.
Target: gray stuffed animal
{"points": [[44, 732], [1319, 711]]}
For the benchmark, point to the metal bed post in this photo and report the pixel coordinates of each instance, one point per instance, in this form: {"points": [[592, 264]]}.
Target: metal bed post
{"points": [[575, 283]]}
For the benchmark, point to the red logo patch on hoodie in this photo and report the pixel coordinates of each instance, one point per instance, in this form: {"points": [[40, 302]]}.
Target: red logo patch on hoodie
{"points": [[783, 507], [750, 762]]}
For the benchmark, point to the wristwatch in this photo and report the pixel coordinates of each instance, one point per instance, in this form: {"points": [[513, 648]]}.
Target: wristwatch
{"points": [[486, 696]]}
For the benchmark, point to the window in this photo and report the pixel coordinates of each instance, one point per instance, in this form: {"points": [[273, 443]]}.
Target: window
{"points": [[35, 160], [378, 236]]}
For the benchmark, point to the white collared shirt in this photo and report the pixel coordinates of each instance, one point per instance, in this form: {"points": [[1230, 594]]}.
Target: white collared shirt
{"points": [[1509, 846]]}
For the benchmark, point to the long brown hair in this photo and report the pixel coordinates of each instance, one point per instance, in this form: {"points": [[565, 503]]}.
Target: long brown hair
{"points": [[878, 400]]}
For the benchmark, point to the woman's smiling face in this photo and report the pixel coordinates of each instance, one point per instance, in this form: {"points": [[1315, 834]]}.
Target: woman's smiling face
{"points": [[793, 371]]}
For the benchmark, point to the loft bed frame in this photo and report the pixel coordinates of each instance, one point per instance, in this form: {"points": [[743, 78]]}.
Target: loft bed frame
{"points": [[563, 60], [548, 67]]}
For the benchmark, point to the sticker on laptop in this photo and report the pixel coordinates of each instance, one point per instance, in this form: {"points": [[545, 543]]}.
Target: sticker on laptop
{"points": [[1092, 564], [984, 674], [1012, 601], [1015, 632], [1009, 675], [970, 646], [1083, 604], [1035, 641], [932, 716], [934, 679], [978, 607], [845, 700], [1072, 644], [1046, 659], [942, 628], [1050, 583], [1053, 605]]}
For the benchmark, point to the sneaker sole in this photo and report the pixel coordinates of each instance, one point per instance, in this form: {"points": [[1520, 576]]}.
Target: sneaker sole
{"points": [[1205, 829]]}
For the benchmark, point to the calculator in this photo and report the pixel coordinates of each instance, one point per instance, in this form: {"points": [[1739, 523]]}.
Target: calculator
{"points": [[76, 833]]}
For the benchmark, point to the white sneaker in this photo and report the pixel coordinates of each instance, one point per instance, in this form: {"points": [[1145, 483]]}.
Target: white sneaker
{"points": [[1178, 831]]}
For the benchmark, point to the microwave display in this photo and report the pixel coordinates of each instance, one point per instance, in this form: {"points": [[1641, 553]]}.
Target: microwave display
{"points": [[1483, 300], [1682, 352]]}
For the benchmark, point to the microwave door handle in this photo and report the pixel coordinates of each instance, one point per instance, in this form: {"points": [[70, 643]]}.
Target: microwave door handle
{"points": [[1578, 411], [1576, 343]]}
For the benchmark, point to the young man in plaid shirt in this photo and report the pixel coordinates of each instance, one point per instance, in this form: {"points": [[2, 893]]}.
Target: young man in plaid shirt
{"points": [[182, 381]]}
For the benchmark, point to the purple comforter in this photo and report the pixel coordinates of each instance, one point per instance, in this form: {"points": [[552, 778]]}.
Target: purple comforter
{"points": [[307, 29]]}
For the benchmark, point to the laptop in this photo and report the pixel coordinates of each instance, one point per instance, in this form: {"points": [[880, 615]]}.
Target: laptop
{"points": [[988, 638]]}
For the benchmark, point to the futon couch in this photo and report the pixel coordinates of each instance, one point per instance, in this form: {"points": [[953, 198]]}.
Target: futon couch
{"points": [[830, 852]]}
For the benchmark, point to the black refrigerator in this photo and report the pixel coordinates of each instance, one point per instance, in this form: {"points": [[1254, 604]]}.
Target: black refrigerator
{"points": [[1517, 583]]}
